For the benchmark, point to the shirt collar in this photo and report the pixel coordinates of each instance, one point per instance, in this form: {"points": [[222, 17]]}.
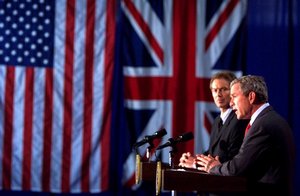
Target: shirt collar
{"points": [[257, 112], [225, 115]]}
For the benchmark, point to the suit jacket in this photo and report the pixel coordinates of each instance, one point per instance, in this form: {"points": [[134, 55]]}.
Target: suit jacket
{"points": [[226, 141], [266, 157]]}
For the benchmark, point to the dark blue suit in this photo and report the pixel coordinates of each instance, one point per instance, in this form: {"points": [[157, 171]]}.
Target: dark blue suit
{"points": [[266, 157], [225, 141]]}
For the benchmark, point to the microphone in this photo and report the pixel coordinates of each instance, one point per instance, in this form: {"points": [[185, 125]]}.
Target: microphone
{"points": [[148, 138], [172, 142]]}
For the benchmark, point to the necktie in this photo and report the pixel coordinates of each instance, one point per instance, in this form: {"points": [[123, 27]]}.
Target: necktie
{"points": [[247, 128], [220, 124]]}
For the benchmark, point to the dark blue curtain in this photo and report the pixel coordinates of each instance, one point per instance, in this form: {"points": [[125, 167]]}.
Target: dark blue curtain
{"points": [[273, 50]]}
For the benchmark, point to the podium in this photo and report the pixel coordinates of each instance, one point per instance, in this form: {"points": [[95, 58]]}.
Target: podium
{"points": [[148, 171], [189, 180], [182, 180]]}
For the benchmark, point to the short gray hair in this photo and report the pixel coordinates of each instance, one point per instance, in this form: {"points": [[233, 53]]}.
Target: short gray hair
{"points": [[254, 84]]}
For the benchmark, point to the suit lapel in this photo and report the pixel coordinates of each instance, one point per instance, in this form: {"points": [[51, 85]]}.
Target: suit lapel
{"points": [[262, 113], [219, 132]]}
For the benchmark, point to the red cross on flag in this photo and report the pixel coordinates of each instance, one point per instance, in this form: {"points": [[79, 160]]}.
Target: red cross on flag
{"points": [[169, 50]]}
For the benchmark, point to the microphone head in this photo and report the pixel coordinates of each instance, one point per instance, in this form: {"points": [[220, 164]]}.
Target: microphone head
{"points": [[172, 142], [160, 133], [148, 138], [186, 137]]}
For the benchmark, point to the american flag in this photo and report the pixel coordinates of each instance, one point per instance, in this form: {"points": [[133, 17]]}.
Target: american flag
{"points": [[169, 50], [56, 62]]}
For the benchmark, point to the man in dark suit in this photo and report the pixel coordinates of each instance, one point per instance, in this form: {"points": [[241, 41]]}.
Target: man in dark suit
{"points": [[266, 157], [227, 131]]}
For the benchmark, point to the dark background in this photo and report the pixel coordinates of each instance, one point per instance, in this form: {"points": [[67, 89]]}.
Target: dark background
{"points": [[273, 48]]}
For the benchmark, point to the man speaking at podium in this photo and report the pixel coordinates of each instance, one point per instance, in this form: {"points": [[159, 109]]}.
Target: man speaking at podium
{"points": [[266, 157], [227, 131]]}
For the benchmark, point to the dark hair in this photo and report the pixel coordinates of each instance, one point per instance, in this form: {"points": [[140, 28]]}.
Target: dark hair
{"points": [[254, 84], [226, 75]]}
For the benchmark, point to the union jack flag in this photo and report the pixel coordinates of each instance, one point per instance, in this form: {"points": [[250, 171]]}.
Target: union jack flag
{"points": [[168, 51]]}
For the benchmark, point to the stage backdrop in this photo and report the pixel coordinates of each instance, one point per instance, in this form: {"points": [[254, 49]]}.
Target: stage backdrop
{"points": [[82, 81]]}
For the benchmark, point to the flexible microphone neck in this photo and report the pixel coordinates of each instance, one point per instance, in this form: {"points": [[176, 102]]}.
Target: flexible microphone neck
{"points": [[149, 138], [172, 142]]}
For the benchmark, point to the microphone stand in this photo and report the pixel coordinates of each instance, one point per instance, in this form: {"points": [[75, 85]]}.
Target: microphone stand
{"points": [[149, 149], [172, 153], [138, 160]]}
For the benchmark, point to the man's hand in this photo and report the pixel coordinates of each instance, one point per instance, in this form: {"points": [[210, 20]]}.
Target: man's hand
{"points": [[187, 160], [205, 163]]}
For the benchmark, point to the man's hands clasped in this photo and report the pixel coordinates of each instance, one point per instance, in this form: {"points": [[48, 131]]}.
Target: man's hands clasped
{"points": [[200, 162]]}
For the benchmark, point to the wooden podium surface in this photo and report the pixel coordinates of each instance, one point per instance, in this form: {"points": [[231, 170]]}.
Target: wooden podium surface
{"points": [[148, 170], [188, 180]]}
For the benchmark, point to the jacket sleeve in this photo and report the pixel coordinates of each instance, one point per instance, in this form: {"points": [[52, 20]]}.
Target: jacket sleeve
{"points": [[253, 158], [235, 139]]}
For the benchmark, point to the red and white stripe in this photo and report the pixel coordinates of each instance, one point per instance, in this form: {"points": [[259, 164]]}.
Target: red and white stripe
{"points": [[55, 122]]}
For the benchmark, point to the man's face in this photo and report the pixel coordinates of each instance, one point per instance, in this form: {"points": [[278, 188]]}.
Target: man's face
{"points": [[221, 93], [239, 102]]}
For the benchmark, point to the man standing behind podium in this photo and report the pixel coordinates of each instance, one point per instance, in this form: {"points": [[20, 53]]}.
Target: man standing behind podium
{"points": [[267, 154], [227, 132]]}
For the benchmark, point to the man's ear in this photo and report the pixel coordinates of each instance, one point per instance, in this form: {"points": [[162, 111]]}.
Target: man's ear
{"points": [[252, 97]]}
